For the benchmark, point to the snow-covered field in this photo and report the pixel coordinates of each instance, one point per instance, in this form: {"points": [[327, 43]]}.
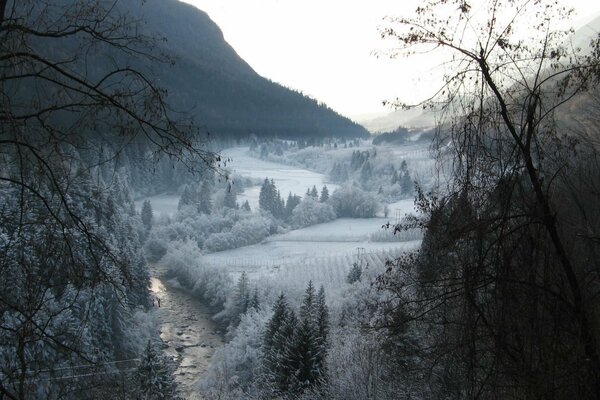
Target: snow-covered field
{"points": [[287, 178], [339, 230], [162, 204], [323, 252], [290, 265]]}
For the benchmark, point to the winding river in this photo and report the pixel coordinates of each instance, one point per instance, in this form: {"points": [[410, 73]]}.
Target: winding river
{"points": [[188, 331]]}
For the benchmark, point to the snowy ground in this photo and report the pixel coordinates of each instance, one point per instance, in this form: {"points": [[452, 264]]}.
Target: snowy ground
{"points": [[162, 204], [322, 253], [287, 178]]}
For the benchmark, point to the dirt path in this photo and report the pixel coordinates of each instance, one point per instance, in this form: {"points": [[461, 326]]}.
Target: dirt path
{"points": [[189, 332]]}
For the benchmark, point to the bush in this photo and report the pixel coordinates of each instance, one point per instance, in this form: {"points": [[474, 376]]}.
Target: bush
{"points": [[311, 212], [352, 202]]}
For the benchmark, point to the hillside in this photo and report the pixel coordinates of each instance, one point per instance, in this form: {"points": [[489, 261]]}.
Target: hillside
{"points": [[221, 90]]}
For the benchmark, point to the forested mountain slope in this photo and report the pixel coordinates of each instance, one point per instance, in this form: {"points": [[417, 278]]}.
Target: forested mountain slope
{"points": [[221, 90]]}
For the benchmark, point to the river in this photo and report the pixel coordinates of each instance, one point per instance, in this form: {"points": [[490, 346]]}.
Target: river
{"points": [[188, 331]]}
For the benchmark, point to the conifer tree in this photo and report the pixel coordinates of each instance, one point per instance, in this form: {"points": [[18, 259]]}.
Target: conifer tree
{"points": [[246, 206], [278, 347], [154, 376], [187, 198], [242, 296], [146, 214], [324, 194], [204, 197], [406, 183], [230, 199], [322, 320], [314, 193], [292, 202], [355, 274], [254, 301], [265, 197]]}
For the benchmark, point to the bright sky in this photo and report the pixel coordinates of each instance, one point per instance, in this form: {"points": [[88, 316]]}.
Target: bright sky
{"points": [[324, 48]]}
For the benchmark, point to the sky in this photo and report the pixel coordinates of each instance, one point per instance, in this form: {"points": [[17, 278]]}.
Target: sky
{"points": [[327, 49]]}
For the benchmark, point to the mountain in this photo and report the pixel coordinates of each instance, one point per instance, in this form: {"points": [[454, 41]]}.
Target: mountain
{"points": [[210, 80]]}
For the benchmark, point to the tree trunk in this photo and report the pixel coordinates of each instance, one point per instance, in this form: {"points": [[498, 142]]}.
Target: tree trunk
{"points": [[549, 222]]}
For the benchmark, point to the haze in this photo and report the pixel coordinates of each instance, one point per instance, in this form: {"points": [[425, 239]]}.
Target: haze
{"points": [[325, 49]]}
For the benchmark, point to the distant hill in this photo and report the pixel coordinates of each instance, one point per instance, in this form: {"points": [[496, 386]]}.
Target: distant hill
{"points": [[224, 93], [416, 118]]}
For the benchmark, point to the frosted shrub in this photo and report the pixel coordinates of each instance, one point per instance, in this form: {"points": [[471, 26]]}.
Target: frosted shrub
{"points": [[184, 260], [311, 212], [350, 201]]}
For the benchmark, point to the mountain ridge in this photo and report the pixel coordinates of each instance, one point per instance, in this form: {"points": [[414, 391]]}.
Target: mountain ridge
{"points": [[222, 90]]}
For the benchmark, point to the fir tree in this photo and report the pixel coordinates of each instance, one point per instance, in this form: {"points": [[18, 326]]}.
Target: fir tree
{"points": [[406, 183], [322, 319], [291, 203], [241, 297], [187, 197], [204, 197], [246, 206], [265, 197], [254, 301], [314, 193], [354, 274], [146, 215], [154, 376], [308, 351], [278, 347], [230, 199], [324, 194]]}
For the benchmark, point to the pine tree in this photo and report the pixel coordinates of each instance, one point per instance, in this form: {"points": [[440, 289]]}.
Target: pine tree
{"points": [[324, 194], [354, 274], [366, 172], [254, 301], [292, 202], [230, 199], [204, 196], [322, 319], [279, 205], [154, 376], [270, 199], [406, 183], [278, 345], [186, 198], [280, 314], [242, 296], [146, 215], [314, 193], [246, 206], [307, 356], [265, 197]]}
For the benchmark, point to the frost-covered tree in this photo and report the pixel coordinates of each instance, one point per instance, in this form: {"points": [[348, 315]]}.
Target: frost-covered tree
{"points": [[187, 197], [354, 274], [324, 194], [350, 201], [311, 212], [505, 285], [269, 199], [246, 206], [230, 199], [204, 197], [291, 203], [147, 215], [278, 346], [241, 296], [154, 376]]}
